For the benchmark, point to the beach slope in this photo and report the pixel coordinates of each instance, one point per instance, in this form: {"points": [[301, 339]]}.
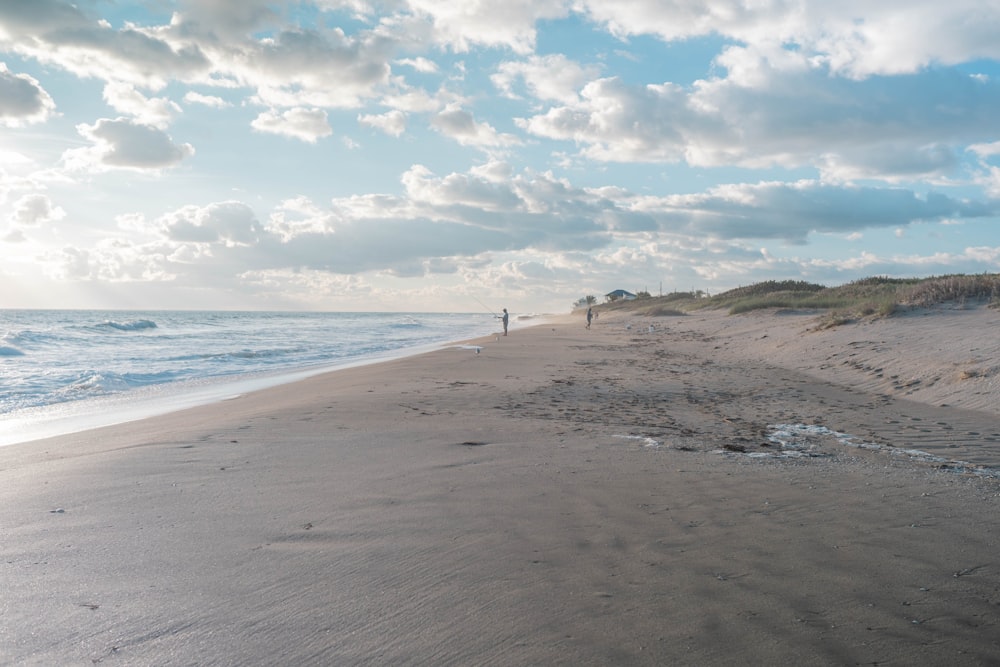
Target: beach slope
{"points": [[692, 490]]}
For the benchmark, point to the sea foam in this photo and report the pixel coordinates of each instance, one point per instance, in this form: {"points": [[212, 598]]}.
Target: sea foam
{"points": [[51, 360]]}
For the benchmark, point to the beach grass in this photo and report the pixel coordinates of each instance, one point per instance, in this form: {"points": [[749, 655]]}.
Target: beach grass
{"points": [[872, 297]]}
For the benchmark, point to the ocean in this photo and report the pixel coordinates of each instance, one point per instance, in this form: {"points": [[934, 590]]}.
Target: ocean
{"points": [[66, 370]]}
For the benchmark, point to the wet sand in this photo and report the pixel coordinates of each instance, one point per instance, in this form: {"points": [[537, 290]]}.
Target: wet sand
{"points": [[618, 495]]}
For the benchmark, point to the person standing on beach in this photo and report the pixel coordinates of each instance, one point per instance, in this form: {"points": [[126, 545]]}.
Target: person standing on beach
{"points": [[506, 320], [590, 316]]}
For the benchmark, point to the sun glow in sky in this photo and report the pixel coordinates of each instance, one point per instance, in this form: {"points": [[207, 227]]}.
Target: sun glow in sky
{"points": [[431, 155]]}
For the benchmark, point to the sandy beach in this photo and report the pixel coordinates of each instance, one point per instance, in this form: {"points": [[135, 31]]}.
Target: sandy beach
{"points": [[697, 490]]}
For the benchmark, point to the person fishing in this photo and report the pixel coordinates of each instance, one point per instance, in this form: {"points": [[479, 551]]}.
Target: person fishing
{"points": [[505, 318]]}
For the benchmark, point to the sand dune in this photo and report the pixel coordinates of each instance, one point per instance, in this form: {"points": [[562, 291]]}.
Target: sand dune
{"points": [[948, 355], [712, 491]]}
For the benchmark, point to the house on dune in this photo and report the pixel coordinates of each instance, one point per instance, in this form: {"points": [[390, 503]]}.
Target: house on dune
{"points": [[619, 295]]}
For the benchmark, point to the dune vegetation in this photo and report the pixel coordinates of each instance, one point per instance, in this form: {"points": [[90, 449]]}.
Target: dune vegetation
{"points": [[869, 297]]}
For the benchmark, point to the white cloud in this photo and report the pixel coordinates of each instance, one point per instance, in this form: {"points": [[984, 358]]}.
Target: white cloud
{"points": [[967, 260], [459, 190], [392, 122], [792, 211], [312, 68], [855, 38], [35, 209], [230, 223], [985, 151], [414, 100], [60, 34], [13, 159], [296, 217], [23, 101], [208, 43], [213, 101], [308, 125], [550, 78], [493, 171], [458, 216], [15, 236], [514, 229], [69, 264], [990, 181], [791, 117], [833, 94], [984, 254], [122, 143], [500, 23], [422, 65], [461, 126], [113, 260], [157, 112], [231, 18], [796, 114], [616, 122]]}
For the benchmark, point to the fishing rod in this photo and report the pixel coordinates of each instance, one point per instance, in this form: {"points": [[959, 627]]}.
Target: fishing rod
{"points": [[484, 306]]}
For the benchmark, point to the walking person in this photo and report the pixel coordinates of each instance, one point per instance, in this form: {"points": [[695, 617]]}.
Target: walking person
{"points": [[590, 316]]}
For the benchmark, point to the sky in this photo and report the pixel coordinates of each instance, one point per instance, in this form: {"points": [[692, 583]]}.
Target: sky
{"points": [[462, 155]]}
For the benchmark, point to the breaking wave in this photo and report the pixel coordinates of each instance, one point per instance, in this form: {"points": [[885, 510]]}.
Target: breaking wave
{"points": [[134, 325]]}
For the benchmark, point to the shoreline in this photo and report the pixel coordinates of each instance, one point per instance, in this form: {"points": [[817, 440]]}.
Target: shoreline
{"points": [[70, 417], [565, 497]]}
